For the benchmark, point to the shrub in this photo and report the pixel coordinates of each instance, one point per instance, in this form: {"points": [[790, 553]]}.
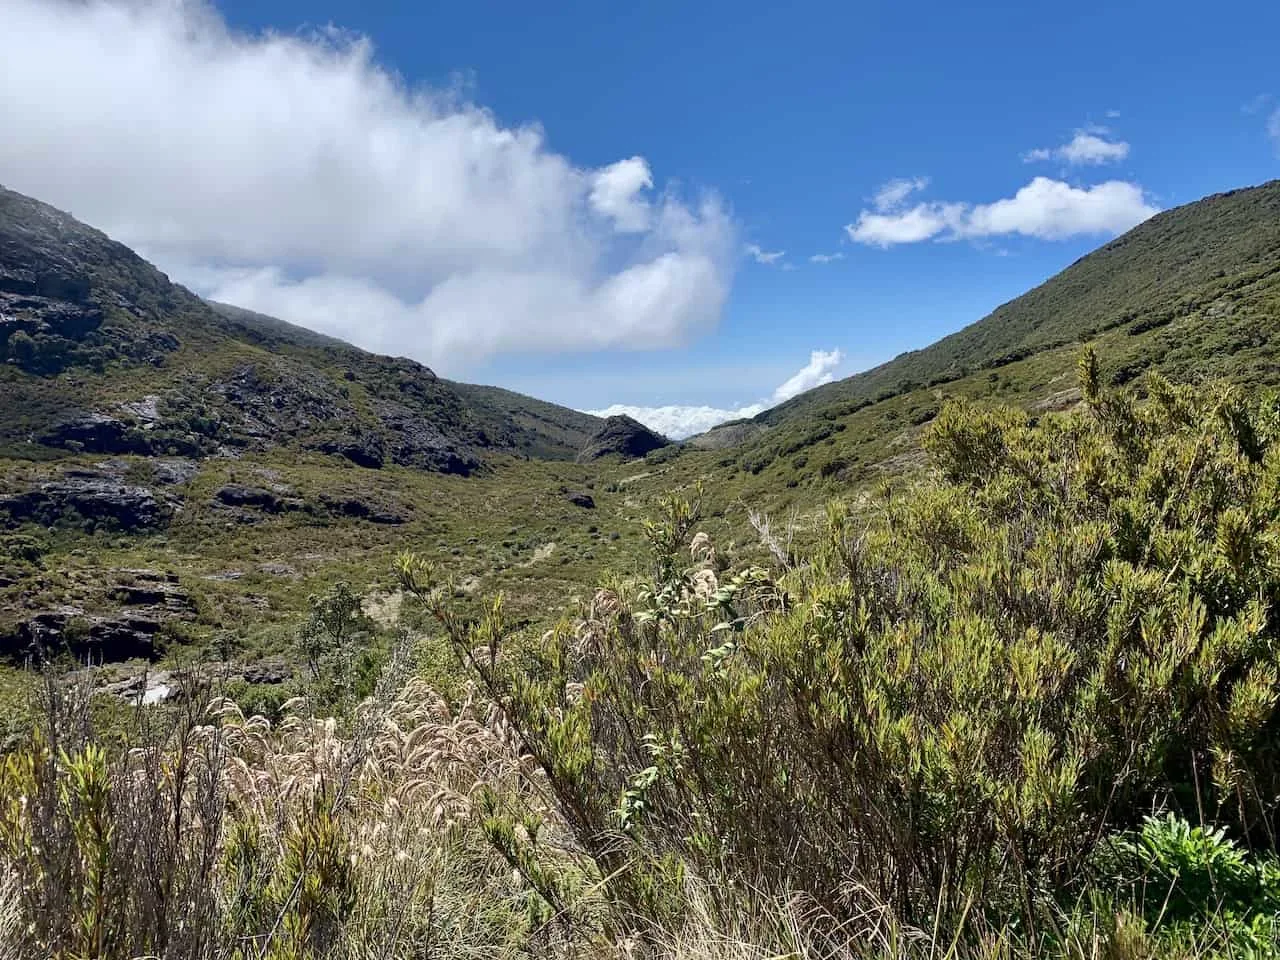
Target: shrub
{"points": [[956, 694]]}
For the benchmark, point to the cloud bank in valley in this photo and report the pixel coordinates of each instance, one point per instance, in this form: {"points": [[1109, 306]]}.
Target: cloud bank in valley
{"points": [[294, 175], [680, 421]]}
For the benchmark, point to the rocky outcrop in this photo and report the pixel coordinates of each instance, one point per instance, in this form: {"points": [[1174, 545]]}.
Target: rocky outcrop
{"points": [[174, 471], [362, 508], [580, 499], [91, 496], [148, 601], [362, 449], [727, 435], [415, 442], [259, 498], [38, 315], [69, 631], [96, 433], [623, 437]]}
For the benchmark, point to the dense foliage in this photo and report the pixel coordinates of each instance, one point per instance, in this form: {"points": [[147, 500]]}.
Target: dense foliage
{"points": [[970, 684]]}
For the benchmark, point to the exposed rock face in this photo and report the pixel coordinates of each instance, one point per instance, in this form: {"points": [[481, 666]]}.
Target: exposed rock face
{"points": [[362, 449], [174, 471], [416, 442], [91, 496], [36, 316], [727, 435], [239, 495], [363, 509], [67, 630], [96, 433], [149, 600], [624, 437]]}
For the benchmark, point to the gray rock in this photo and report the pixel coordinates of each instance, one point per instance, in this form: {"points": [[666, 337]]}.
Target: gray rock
{"points": [[361, 509], [96, 433], [174, 471], [362, 449], [130, 506], [260, 498], [579, 499]]}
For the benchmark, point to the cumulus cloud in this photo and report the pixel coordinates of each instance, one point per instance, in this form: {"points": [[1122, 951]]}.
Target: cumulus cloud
{"points": [[826, 257], [1045, 209], [294, 175], [893, 194], [766, 257], [1087, 147], [680, 421]]}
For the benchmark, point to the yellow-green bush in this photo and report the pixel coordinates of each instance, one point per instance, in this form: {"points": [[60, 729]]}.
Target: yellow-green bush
{"points": [[947, 705]]}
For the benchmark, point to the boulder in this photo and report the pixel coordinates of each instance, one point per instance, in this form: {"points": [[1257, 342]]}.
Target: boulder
{"points": [[579, 499]]}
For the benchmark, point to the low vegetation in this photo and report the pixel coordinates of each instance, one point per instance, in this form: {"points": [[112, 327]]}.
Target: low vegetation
{"points": [[1022, 703]]}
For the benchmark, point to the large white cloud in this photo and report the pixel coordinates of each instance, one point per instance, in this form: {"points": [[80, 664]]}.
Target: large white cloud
{"points": [[296, 176], [679, 421], [1046, 209]]}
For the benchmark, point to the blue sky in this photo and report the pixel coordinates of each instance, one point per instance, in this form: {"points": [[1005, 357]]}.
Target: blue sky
{"points": [[586, 202]]}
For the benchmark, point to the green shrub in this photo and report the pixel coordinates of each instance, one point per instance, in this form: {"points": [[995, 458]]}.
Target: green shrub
{"points": [[956, 693]]}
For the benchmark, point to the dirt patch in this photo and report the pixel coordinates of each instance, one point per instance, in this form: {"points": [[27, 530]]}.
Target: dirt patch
{"points": [[543, 552], [384, 608]]}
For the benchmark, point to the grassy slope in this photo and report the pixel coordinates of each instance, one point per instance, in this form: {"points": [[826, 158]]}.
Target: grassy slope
{"points": [[1190, 262], [1193, 293]]}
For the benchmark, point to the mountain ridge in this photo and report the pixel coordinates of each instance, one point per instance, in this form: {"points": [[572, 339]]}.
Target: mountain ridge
{"points": [[84, 319]]}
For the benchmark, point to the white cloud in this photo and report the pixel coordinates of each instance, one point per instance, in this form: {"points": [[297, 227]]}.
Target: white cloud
{"points": [[1113, 114], [296, 176], [819, 370], [1046, 209], [826, 257], [680, 421], [894, 193], [1273, 128], [615, 193], [766, 257], [1087, 147]]}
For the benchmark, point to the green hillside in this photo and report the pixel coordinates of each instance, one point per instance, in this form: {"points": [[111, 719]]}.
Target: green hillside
{"points": [[1193, 293], [1207, 264]]}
